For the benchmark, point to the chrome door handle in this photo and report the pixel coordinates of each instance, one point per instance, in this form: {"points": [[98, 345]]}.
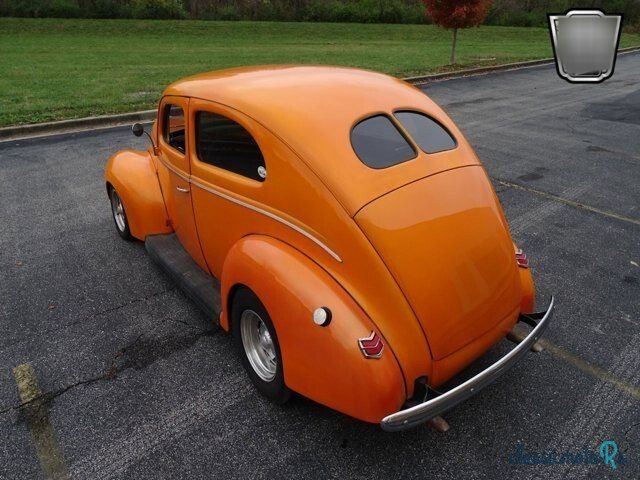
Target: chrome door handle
{"points": [[182, 189]]}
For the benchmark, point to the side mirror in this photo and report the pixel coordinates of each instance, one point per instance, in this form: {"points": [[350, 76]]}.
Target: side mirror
{"points": [[137, 129]]}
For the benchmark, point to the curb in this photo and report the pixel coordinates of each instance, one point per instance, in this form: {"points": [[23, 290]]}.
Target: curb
{"points": [[434, 77], [494, 68], [74, 125], [109, 121]]}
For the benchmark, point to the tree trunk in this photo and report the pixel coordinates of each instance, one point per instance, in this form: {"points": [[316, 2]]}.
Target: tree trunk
{"points": [[452, 58]]}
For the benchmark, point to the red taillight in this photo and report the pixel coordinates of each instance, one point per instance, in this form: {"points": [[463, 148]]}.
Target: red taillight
{"points": [[371, 346], [521, 259]]}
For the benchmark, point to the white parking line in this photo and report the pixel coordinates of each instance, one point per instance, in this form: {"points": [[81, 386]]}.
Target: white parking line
{"points": [[573, 192], [591, 422], [37, 412]]}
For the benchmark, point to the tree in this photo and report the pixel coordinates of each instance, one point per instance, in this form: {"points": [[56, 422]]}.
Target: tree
{"points": [[455, 14]]}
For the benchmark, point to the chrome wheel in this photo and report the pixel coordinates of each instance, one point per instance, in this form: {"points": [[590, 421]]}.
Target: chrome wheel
{"points": [[118, 211], [258, 345]]}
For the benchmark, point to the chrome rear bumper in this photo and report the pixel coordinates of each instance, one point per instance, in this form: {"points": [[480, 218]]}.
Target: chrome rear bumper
{"points": [[422, 412]]}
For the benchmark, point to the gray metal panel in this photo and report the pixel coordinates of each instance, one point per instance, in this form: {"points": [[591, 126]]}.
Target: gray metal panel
{"points": [[197, 284]]}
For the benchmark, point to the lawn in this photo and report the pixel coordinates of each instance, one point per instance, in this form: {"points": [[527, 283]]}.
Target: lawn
{"points": [[53, 69]]}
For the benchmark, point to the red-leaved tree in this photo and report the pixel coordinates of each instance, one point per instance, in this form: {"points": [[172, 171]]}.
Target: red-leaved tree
{"points": [[455, 14]]}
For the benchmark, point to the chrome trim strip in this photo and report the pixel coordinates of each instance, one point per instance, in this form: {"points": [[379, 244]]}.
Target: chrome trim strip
{"points": [[259, 210], [418, 414], [270, 215], [174, 169]]}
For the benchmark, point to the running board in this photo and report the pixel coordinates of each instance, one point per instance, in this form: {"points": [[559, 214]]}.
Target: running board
{"points": [[198, 285]]}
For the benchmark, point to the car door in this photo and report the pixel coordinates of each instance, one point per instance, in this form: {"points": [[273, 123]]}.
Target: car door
{"points": [[228, 176], [174, 172]]}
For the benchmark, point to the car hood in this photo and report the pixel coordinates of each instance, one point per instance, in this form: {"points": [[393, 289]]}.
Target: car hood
{"points": [[445, 240]]}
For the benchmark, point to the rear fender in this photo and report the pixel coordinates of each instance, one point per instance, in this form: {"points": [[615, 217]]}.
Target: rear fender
{"points": [[133, 175], [527, 303], [528, 298], [321, 363]]}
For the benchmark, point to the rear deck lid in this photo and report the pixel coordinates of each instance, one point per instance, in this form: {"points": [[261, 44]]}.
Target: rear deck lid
{"points": [[444, 241]]}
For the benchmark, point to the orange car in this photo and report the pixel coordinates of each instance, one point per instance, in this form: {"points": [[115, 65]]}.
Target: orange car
{"points": [[337, 222]]}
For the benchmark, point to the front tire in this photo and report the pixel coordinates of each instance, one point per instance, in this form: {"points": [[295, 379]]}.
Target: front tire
{"points": [[257, 344], [119, 215]]}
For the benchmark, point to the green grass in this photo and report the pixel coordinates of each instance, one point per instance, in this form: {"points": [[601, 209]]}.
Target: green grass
{"points": [[53, 69]]}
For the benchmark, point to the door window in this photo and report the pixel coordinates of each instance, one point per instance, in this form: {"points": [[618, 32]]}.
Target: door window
{"points": [[174, 127], [228, 145]]}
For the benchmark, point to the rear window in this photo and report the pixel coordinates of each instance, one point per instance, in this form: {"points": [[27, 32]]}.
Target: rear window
{"points": [[379, 144], [430, 136]]}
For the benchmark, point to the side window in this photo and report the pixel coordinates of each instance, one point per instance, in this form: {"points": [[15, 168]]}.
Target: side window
{"points": [[430, 136], [379, 144], [226, 144], [174, 127]]}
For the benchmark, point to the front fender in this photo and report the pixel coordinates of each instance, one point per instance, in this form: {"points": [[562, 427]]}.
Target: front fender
{"points": [[324, 364], [132, 174]]}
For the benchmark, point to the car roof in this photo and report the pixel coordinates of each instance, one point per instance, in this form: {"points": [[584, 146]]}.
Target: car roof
{"points": [[313, 109]]}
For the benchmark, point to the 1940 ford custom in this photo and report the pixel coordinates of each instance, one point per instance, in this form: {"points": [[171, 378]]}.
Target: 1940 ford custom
{"points": [[337, 222]]}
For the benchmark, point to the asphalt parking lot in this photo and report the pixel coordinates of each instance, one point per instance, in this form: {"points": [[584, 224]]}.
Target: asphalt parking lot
{"points": [[137, 385]]}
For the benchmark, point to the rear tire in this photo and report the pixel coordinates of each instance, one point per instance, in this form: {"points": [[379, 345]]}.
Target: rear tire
{"points": [[257, 343], [119, 215]]}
